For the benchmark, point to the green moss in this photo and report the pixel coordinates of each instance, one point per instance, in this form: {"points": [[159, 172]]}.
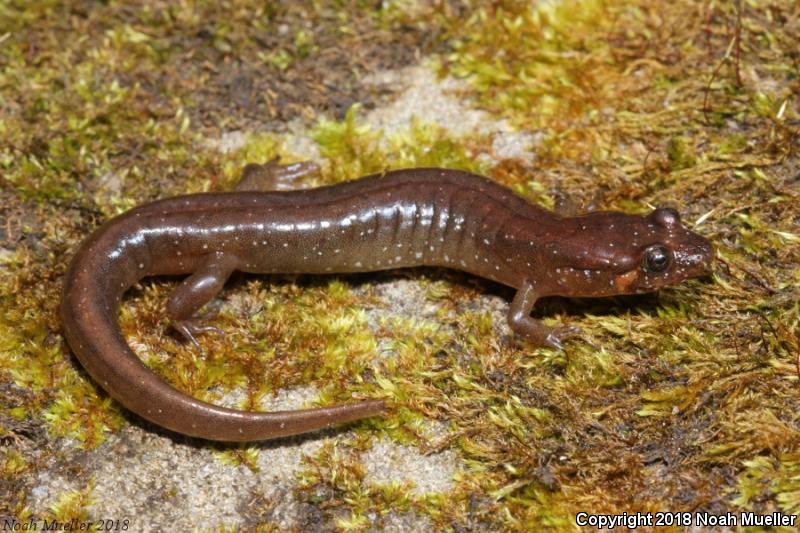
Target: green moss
{"points": [[72, 504], [680, 154], [352, 149], [765, 476], [14, 464], [243, 455], [733, 144], [518, 58]]}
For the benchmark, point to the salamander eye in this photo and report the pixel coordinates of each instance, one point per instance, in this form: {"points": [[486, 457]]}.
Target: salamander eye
{"points": [[656, 259]]}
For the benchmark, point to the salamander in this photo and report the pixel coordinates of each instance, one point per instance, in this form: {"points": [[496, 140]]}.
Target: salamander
{"points": [[402, 218]]}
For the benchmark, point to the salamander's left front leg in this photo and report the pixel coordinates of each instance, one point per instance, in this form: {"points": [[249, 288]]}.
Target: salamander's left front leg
{"points": [[520, 321], [196, 291]]}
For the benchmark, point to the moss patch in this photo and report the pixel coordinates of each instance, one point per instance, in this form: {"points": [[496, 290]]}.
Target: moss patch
{"points": [[682, 400]]}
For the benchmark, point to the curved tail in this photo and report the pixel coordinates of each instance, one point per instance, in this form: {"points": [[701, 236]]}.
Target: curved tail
{"points": [[88, 316]]}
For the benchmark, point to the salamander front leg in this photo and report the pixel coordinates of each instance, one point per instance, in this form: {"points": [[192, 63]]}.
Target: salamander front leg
{"points": [[196, 291], [272, 176], [520, 321]]}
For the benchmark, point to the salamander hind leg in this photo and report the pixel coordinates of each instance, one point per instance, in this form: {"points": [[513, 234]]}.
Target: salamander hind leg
{"points": [[196, 291], [272, 176], [530, 329]]}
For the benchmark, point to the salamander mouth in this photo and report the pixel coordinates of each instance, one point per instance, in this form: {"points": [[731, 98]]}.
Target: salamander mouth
{"points": [[625, 282]]}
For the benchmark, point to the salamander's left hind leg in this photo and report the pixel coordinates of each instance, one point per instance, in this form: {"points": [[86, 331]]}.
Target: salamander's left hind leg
{"points": [[272, 176], [196, 291]]}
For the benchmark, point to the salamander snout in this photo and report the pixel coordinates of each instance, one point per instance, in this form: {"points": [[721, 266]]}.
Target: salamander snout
{"points": [[695, 256]]}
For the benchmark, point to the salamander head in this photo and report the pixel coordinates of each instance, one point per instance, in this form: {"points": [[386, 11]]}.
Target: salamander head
{"points": [[613, 253], [671, 255]]}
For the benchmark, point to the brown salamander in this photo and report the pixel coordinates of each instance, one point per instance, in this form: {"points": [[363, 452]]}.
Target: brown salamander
{"points": [[403, 218]]}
